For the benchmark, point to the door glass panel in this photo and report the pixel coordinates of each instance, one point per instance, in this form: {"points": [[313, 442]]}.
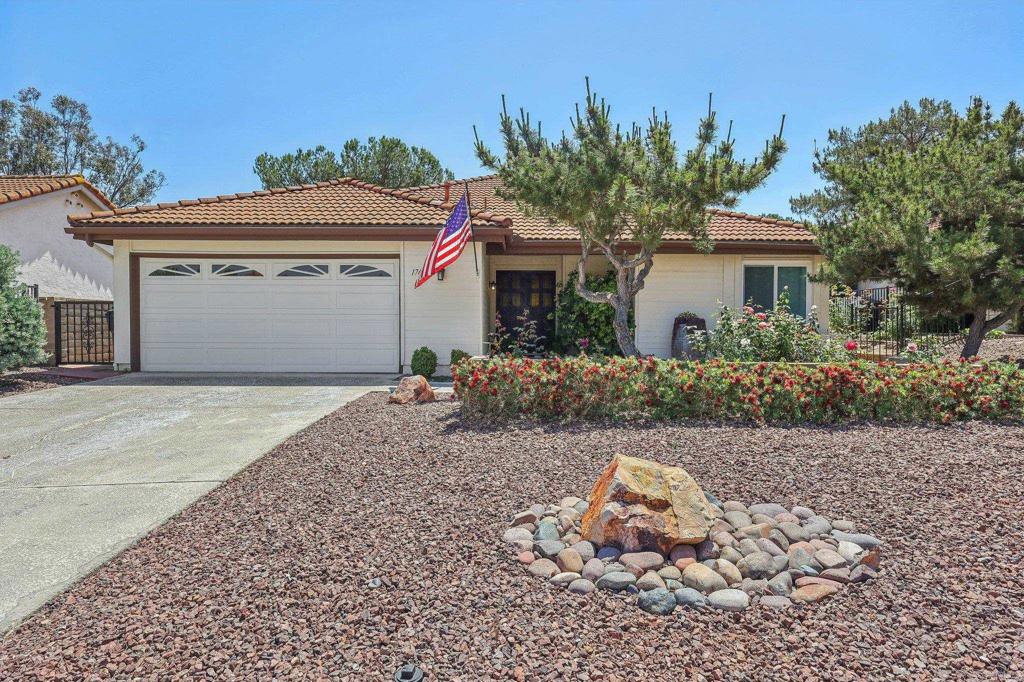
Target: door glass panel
{"points": [[758, 286], [795, 279]]}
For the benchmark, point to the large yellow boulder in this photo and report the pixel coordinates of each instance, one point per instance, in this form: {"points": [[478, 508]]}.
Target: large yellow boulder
{"points": [[639, 505]]}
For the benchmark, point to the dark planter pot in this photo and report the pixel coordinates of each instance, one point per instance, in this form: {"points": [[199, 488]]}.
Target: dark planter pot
{"points": [[682, 348]]}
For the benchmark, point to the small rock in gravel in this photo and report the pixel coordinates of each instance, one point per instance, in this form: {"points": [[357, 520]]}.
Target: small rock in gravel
{"points": [[712, 499], [793, 532], [582, 507], [570, 501], [829, 559], [737, 519], [840, 575], [861, 574], [799, 557], [644, 560], [733, 505], [728, 570], [802, 512], [731, 555], [747, 546], [702, 578], [670, 573], [753, 587], [729, 600], [545, 568], [863, 539], [525, 557], [565, 578], [613, 567], [786, 517], [772, 601], [581, 586], [569, 560], [517, 534], [374, 583], [768, 509], [779, 538], [681, 564], [844, 525], [754, 531], [849, 551], [658, 601], [608, 553], [816, 580], [650, 581], [809, 570], [593, 569], [548, 549], [782, 584], [537, 509], [757, 566], [766, 545], [872, 559], [724, 539], [523, 518], [817, 525], [585, 549], [546, 530], [673, 585], [758, 519], [616, 581], [809, 594], [682, 552], [690, 597], [706, 549], [780, 563], [721, 526]]}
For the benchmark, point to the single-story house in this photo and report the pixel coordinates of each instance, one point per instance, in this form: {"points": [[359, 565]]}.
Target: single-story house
{"points": [[33, 216], [321, 277]]}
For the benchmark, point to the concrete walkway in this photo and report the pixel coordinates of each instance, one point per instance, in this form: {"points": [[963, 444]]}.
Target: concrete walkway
{"points": [[87, 469]]}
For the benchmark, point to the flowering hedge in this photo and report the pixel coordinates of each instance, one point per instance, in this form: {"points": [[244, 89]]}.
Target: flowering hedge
{"points": [[579, 387]]}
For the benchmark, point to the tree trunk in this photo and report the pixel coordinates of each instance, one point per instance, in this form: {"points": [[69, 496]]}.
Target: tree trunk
{"points": [[621, 325], [975, 335]]}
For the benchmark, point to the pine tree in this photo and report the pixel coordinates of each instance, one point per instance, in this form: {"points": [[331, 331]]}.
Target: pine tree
{"points": [[22, 331], [623, 190], [942, 217]]}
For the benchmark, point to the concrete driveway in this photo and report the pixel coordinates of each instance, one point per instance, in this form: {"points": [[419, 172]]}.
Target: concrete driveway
{"points": [[85, 470]]}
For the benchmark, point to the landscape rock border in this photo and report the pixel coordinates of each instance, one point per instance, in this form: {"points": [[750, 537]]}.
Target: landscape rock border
{"points": [[763, 554]]}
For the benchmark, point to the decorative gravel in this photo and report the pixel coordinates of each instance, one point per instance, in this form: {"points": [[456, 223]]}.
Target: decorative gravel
{"points": [[29, 381], [1009, 347], [372, 539]]}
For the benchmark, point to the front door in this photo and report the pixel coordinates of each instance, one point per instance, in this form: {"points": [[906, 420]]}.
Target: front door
{"points": [[532, 291]]}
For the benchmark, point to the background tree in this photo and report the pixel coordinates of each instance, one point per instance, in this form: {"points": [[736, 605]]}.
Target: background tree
{"points": [[942, 217], [385, 161], [623, 191], [22, 331], [36, 141]]}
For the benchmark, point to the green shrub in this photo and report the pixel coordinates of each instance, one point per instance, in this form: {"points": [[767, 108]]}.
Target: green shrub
{"points": [[583, 326], [774, 335], [458, 356], [22, 329], [424, 362], [579, 388]]}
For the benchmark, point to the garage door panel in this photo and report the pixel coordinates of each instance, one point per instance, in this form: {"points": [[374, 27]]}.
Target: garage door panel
{"points": [[329, 323]]}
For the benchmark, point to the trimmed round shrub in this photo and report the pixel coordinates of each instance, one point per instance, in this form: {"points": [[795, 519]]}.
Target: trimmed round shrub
{"points": [[458, 356], [424, 362]]}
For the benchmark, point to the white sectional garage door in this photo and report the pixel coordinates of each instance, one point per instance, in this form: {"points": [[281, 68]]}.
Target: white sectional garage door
{"points": [[263, 315]]}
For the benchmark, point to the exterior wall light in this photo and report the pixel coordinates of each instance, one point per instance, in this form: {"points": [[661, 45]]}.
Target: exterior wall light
{"points": [[493, 286], [440, 276]]}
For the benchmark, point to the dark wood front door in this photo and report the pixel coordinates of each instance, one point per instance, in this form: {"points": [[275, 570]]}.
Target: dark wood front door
{"points": [[529, 290]]}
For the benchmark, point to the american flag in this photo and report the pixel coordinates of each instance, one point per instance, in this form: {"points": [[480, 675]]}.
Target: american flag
{"points": [[450, 241]]}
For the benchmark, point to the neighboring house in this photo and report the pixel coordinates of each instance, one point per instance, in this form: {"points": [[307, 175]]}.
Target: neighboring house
{"points": [[33, 216], [321, 277]]}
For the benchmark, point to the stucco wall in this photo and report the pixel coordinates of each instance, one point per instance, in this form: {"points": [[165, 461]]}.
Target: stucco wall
{"points": [[441, 314], [62, 267], [700, 284]]}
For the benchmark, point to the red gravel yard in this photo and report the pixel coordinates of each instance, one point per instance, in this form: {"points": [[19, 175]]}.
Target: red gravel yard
{"points": [[372, 539]]}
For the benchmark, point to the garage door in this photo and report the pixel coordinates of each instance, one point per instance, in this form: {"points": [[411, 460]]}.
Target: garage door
{"points": [[231, 315]]}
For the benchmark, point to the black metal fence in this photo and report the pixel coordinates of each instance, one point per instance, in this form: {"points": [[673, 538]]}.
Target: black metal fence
{"points": [[882, 322], [83, 332]]}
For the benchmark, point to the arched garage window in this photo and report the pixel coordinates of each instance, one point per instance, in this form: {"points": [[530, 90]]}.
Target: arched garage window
{"points": [[176, 270]]}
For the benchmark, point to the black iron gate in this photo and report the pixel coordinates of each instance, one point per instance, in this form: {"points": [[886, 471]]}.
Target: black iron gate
{"points": [[83, 332]]}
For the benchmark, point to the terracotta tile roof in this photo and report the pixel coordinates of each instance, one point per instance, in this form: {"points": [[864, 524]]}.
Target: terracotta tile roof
{"points": [[15, 187], [344, 202], [725, 225]]}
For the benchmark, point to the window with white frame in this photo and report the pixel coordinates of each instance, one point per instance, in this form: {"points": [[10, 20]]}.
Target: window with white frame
{"points": [[763, 284], [176, 270], [304, 270], [234, 270]]}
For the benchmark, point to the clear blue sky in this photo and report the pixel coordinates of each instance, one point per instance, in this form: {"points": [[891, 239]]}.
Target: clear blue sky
{"points": [[210, 85]]}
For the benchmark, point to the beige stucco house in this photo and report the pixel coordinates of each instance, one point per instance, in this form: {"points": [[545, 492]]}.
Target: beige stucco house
{"points": [[321, 277], [33, 217]]}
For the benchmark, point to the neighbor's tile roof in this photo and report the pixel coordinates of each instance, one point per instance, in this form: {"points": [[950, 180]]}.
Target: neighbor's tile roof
{"points": [[344, 202], [15, 187], [725, 225]]}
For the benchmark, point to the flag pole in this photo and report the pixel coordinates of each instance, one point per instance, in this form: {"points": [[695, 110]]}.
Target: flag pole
{"points": [[472, 233]]}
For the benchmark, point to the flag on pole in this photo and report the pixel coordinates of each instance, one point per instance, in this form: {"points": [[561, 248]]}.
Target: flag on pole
{"points": [[450, 241]]}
